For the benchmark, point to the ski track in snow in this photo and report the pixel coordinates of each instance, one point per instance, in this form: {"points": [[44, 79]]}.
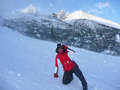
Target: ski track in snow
{"points": [[28, 64]]}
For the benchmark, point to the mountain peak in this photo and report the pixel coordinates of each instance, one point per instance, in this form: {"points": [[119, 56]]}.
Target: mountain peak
{"points": [[60, 14], [77, 15], [70, 17], [78, 12]]}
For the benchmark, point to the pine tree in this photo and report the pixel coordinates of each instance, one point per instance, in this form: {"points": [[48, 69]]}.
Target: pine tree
{"points": [[53, 33]]}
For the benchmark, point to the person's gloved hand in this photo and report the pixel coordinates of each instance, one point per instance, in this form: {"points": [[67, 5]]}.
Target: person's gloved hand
{"points": [[55, 75]]}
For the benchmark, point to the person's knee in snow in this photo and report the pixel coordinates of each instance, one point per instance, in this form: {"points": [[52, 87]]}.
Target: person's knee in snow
{"points": [[67, 77], [67, 81]]}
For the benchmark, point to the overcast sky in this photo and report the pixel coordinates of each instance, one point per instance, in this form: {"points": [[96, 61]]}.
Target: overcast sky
{"points": [[108, 9]]}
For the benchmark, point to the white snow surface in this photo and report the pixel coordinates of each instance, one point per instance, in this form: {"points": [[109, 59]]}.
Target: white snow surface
{"points": [[28, 64]]}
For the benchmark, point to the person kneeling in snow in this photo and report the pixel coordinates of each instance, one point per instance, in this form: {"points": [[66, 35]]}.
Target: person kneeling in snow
{"points": [[69, 66]]}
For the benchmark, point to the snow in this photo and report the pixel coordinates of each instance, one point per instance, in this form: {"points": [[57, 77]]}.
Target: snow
{"points": [[118, 38], [28, 64], [71, 17]]}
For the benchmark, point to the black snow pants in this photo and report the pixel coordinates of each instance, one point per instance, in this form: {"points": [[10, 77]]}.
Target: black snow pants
{"points": [[68, 76]]}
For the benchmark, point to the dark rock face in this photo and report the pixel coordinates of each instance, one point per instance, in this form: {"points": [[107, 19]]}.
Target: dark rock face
{"points": [[81, 33]]}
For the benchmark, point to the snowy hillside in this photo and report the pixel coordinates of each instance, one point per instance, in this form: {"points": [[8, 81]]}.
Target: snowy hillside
{"points": [[76, 15], [28, 64]]}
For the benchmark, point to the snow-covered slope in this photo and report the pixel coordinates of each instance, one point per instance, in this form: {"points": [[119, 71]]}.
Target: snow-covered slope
{"points": [[71, 17], [28, 64]]}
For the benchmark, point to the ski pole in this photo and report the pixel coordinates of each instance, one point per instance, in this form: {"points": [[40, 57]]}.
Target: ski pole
{"points": [[71, 50]]}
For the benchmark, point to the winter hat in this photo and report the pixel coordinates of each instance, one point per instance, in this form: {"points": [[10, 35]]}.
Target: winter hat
{"points": [[59, 45]]}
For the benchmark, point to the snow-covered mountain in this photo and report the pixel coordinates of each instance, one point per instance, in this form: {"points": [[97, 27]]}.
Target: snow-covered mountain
{"points": [[73, 16], [82, 33]]}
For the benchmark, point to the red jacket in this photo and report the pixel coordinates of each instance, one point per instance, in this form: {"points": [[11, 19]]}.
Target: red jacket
{"points": [[65, 60]]}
